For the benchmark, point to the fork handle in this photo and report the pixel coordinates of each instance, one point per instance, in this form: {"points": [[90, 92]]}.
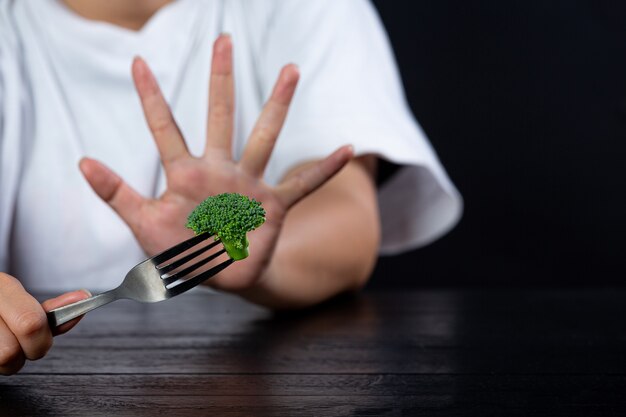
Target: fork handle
{"points": [[62, 315]]}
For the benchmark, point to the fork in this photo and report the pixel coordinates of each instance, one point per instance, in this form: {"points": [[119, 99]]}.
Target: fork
{"points": [[152, 280]]}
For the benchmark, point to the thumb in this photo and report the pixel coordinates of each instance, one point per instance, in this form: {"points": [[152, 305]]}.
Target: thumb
{"points": [[113, 190], [62, 300]]}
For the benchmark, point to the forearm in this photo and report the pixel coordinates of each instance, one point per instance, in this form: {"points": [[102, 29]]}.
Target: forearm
{"points": [[328, 245], [308, 279]]}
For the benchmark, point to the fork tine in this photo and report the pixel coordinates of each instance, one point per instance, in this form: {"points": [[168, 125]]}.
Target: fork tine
{"points": [[185, 272], [180, 248], [172, 266], [198, 279]]}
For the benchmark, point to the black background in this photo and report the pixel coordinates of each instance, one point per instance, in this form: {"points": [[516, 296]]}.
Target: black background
{"points": [[525, 103]]}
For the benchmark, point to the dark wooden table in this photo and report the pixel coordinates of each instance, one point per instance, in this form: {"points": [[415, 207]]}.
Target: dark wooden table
{"points": [[432, 353]]}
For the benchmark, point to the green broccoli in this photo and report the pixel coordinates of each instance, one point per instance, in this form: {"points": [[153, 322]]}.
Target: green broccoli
{"points": [[229, 216]]}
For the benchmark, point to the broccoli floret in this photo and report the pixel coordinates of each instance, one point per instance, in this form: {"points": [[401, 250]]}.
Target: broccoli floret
{"points": [[229, 216]]}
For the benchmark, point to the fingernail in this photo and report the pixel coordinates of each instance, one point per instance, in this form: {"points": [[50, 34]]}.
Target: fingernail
{"points": [[295, 67], [136, 60], [144, 72], [223, 42], [225, 39], [86, 291]]}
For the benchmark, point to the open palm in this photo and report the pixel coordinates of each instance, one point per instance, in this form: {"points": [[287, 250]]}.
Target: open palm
{"points": [[160, 223]]}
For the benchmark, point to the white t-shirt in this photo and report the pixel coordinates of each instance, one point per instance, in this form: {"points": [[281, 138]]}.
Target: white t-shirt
{"points": [[66, 92]]}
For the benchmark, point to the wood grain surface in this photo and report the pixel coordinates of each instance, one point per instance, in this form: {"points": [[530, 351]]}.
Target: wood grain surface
{"points": [[394, 353]]}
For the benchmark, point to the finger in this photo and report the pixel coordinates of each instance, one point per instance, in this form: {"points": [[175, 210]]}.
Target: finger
{"points": [[167, 136], [126, 202], [267, 128], [60, 301], [305, 182], [221, 100], [12, 358], [25, 318]]}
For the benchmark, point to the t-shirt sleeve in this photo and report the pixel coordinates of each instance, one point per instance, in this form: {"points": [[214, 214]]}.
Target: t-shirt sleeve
{"points": [[350, 92]]}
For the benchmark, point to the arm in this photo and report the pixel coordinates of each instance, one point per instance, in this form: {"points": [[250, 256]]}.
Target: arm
{"points": [[328, 244]]}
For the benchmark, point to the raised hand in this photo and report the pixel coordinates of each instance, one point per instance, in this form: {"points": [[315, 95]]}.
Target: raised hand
{"points": [[160, 223]]}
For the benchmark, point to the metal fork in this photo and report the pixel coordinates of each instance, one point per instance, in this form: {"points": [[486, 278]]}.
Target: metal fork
{"points": [[152, 280]]}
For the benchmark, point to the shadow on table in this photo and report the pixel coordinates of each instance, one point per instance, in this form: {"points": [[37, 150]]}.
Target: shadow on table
{"points": [[354, 353], [306, 341], [15, 401]]}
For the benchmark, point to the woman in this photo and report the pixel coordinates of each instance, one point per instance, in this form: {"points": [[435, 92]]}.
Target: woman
{"points": [[66, 98]]}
